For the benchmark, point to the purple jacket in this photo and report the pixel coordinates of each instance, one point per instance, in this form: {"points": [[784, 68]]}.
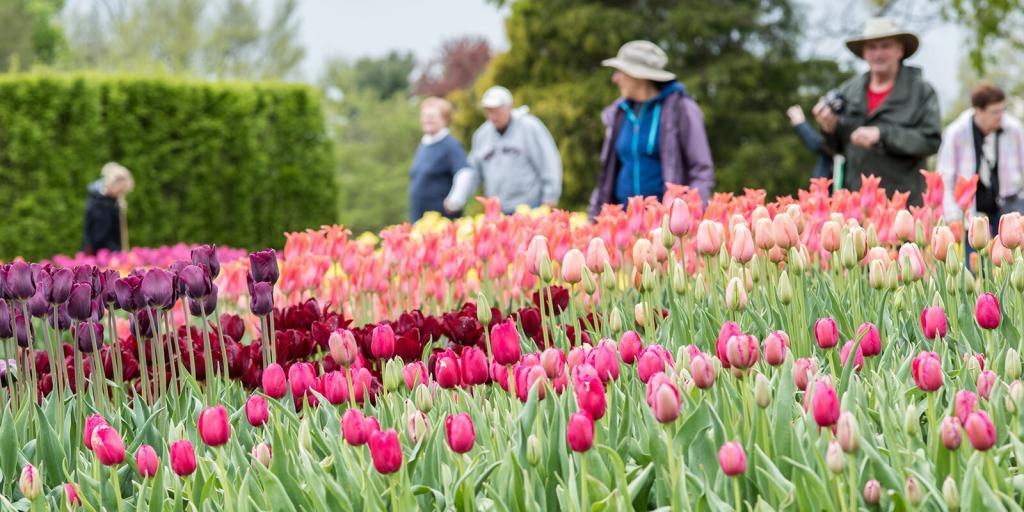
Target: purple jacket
{"points": [[684, 152]]}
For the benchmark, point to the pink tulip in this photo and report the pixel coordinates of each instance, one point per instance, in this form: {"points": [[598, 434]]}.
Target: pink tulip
{"points": [[577, 356], [335, 386], [528, 377], [107, 445], [742, 351], [590, 396], [926, 369], [784, 231], [604, 359], [362, 383], [679, 220], [414, 374], [742, 249], [630, 346], [949, 431], [30, 483], [858, 358], [964, 404], [505, 343], [728, 330], [597, 255], [933, 322], [1011, 231], [460, 432], [803, 370], [274, 383], [775, 346], [579, 432], [572, 266], [354, 427], [981, 432], [386, 451], [825, 403], [986, 379], [903, 227], [256, 410], [447, 372], [763, 237], [663, 397], [872, 492], [262, 454], [183, 458], [826, 333], [649, 364], [999, 253], [643, 253], [979, 234], [343, 347], [870, 339], [986, 311], [71, 494], [473, 364], [942, 237], [553, 361], [732, 459], [91, 423], [146, 461], [709, 237], [301, 378], [910, 254], [214, 428], [703, 371], [382, 342], [831, 233], [535, 252]]}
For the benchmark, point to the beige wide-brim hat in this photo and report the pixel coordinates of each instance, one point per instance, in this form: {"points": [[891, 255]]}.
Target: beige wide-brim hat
{"points": [[883, 28], [641, 59]]}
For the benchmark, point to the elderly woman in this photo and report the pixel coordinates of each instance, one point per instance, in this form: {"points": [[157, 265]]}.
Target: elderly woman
{"points": [[438, 157], [105, 206], [654, 132]]}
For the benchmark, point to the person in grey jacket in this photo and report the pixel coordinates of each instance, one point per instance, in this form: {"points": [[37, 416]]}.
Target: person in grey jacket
{"points": [[515, 156], [654, 132]]}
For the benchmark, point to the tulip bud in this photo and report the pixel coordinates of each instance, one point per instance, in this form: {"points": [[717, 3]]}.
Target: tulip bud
{"points": [[848, 253], [835, 459], [640, 313], [912, 491], [615, 319], [30, 483], [785, 291], [723, 258], [393, 374], [848, 432], [214, 428], [979, 235], [735, 295], [762, 391], [423, 399], [534, 450], [547, 274], [579, 432], [588, 282], [700, 287], [950, 494], [679, 279], [608, 277], [146, 461], [732, 459], [668, 239], [949, 431], [647, 280], [876, 274], [911, 420], [417, 425], [872, 492], [1016, 392], [183, 458], [483, 309], [261, 454]]}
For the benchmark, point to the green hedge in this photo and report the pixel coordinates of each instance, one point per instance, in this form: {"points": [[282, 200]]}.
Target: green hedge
{"points": [[235, 164]]}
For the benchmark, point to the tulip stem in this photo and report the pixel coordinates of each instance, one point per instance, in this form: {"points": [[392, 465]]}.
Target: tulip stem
{"points": [[583, 481], [990, 464], [117, 488], [736, 492], [115, 356]]}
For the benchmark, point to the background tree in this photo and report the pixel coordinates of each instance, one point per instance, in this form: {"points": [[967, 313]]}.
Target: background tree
{"points": [[457, 65], [31, 33], [739, 61], [385, 76]]}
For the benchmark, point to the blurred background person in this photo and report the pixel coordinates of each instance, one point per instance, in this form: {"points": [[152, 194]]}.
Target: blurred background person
{"points": [[438, 157], [106, 223], [812, 140]]}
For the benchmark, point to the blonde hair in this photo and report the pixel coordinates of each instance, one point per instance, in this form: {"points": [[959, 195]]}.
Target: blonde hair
{"points": [[116, 174], [443, 106]]}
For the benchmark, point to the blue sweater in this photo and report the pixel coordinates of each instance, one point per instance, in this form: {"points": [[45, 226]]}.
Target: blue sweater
{"points": [[430, 177], [637, 147]]}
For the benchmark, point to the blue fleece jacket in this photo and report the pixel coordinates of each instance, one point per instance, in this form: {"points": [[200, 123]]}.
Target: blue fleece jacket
{"points": [[637, 147]]}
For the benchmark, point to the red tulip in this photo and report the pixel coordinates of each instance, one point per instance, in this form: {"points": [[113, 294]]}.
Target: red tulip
{"points": [[274, 383], [354, 427], [981, 432], [590, 396], [579, 432], [826, 333], [90, 425], [146, 461], [301, 378], [474, 366], [335, 387], [630, 346], [825, 403], [732, 459], [256, 410], [382, 342], [107, 445], [986, 379], [386, 451], [505, 343], [460, 432], [183, 458], [446, 371], [926, 369], [933, 322], [870, 339], [858, 358], [775, 347], [986, 311], [214, 428]]}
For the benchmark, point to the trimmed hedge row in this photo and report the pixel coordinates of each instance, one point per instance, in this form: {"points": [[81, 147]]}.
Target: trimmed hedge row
{"points": [[228, 163]]}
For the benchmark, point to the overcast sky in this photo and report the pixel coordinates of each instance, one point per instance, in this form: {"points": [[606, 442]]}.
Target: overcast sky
{"points": [[356, 28]]}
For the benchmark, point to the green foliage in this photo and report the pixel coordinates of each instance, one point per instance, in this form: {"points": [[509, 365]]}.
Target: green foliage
{"points": [[739, 63], [385, 76], [30, 32], [228, 163]]}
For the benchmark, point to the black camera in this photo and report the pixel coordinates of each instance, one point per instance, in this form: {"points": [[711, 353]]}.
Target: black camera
{"points": [[835, 101]]}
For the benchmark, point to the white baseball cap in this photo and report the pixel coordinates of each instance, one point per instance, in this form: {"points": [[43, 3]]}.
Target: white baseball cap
{"points": [[496, 96]]}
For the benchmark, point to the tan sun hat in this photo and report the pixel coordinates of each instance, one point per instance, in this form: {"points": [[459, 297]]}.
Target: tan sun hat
{"points": [[883, 28], [641, 59]]}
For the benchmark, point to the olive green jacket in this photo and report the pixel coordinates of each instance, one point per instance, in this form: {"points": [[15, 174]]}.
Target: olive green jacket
{"points": [[910, 131]]}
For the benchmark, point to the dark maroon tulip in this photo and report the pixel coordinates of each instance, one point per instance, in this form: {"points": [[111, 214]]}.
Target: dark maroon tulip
{"points": [[207, 255], [128, 293], [262, 301], [175, 269], [158, 288], [6, 325], [205, 304], [103, 287], [61, 289], [195, 280], [263, 266], [80, 303], [84, 338], [20, 280], [21, 330], [141, 320], [4, 292], [62, 320]]}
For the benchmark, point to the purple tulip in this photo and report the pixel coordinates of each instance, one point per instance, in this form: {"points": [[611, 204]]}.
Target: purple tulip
{"points": [[263, 266], [128, 293], [142, 321], [87, 274], [6, 326], [88, 339], [205, 304], [5, 293], [38, 306], [207, 255], [80, 303], [8, 371], [61, 285], [158, 288], [196, 281], [21, 330], [62, 320], [175, 269], [103, 288], [262, 300]]}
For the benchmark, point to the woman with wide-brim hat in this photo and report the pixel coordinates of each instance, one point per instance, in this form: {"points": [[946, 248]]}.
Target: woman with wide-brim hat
{"points": [[654, 132]]}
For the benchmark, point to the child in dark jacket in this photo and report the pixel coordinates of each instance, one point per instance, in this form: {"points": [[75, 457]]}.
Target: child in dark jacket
{"points": [[105, 207]]}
